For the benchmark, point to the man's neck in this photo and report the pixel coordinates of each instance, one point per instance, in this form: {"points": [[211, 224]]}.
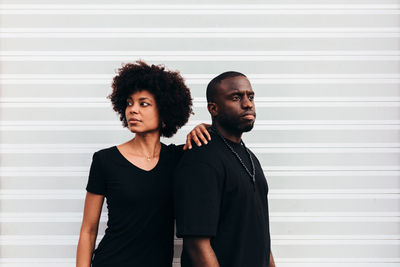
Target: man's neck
{"points": [[234, 137]]}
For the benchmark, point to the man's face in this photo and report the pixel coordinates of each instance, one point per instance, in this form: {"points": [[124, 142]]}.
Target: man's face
{"points": [[235, 101]]}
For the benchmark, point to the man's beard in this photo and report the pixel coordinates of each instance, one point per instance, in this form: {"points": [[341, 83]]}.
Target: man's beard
{"points": [[234, 125]]}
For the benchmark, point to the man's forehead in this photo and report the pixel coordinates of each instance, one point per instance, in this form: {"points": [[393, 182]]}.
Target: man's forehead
{"points": [[237, 83]]}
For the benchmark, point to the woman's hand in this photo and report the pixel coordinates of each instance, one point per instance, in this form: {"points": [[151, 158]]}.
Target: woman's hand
{"points": [[198, 133]]}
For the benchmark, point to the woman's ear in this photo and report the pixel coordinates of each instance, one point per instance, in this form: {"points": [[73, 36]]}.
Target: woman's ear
{"points": [[212, 108]]}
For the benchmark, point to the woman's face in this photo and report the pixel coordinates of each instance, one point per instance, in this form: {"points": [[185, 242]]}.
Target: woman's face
{"points": [[141, 112]]}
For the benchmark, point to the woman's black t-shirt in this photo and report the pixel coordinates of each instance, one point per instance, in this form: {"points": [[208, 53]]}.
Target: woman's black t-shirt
{"points": [[140, 227]]}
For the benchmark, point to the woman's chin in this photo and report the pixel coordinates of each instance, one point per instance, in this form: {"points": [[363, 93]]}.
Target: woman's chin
{"points": [[142, 130]]}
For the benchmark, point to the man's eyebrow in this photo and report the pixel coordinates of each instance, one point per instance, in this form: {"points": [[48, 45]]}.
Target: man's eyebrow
{"points": [[235, 91], [240, 92]]}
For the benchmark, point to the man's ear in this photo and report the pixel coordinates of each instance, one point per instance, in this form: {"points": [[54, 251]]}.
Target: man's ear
{"points": [[212, 108]]}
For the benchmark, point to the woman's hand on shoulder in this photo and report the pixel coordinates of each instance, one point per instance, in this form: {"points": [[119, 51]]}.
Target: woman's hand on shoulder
{"points": [[198, 133]]}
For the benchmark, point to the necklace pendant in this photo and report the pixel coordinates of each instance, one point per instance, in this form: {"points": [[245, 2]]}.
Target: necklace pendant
{"points": [[148, 158]]}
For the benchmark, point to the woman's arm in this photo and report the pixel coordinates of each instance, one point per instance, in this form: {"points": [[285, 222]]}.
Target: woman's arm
{"points": [[271, 260], [198, 132], [90, 225]]}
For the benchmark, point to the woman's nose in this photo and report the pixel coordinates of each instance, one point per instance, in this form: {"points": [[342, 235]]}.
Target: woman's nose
{"points": [[134, 108]]}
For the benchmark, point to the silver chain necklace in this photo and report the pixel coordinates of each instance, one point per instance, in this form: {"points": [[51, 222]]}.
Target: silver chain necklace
{"points": [[252, 175]]}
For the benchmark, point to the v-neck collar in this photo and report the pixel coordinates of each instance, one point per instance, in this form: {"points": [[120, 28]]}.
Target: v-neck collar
{"points": [[127, 162]]}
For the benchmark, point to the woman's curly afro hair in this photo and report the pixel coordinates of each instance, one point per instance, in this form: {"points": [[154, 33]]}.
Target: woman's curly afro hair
{"points": [[173, 99]]}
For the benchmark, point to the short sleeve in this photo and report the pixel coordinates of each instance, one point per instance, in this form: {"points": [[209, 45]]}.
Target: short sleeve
{"points": [[96, 182], [197, 196]]}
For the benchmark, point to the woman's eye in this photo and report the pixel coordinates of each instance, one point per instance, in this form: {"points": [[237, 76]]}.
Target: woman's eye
{"points": [[128, 103], [144, 104]]}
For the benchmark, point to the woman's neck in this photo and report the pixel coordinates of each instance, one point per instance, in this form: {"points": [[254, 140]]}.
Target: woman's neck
{"points": [[147, 144]]}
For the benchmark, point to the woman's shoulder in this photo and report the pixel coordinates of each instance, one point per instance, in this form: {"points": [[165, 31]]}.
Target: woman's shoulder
{"points": [[105, 152], [172, 147], [173, 150]]}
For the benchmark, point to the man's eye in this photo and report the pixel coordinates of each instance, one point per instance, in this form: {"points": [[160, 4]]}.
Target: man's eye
{"points": [[236, 97], [251, 97]]}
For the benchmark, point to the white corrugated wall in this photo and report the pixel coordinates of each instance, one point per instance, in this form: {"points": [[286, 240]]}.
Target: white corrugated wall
{"points": [[326, 76]]}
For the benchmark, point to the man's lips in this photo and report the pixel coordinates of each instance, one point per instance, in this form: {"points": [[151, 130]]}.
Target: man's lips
{"points": [[249, 116]]}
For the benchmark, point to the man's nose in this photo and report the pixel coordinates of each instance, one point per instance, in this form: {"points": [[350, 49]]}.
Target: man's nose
{"points": [[247, 103]]}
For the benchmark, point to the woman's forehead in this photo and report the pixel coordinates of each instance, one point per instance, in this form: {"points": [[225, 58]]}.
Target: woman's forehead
{"points": [[141, 94]]}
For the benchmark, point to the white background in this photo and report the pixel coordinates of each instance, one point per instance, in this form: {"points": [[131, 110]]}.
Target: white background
{"points": [[326, 77]]}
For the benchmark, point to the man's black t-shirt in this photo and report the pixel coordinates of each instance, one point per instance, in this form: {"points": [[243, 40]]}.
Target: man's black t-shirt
{"points": [[140, 227], [215, 197]]}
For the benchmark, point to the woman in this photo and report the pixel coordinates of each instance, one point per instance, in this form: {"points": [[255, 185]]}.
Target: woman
{"points": [[136, 176]]}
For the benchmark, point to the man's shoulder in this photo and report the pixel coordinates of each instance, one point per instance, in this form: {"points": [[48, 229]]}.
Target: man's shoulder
{"points": [[209, 148], [202, 160], [254, 156], [207, 151]]}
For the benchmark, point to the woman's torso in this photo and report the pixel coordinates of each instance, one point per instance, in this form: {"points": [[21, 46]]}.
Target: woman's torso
{"points": [[140, 227]]}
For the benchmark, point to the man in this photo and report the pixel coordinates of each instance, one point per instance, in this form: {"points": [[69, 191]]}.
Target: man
{"points": [[220, 193]]}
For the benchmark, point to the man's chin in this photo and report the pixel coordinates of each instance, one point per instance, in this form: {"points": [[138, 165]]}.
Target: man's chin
{"points": [[247, 127], [237, 126]]}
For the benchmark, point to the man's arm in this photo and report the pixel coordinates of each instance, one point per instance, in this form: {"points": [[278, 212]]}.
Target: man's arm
{"points": [[271, 261], [200, 251]]}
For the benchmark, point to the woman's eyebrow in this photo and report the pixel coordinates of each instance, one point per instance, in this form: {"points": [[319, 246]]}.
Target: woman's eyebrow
{"points": [[143, 98]]}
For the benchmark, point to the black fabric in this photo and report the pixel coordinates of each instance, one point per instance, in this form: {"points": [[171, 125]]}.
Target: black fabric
{"points": [[215, 197], [140, 227]]}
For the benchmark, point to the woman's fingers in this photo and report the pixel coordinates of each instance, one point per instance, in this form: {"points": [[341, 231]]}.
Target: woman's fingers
{"points": [[195, 138], [203, 128], [188, 144], [200, 135]]}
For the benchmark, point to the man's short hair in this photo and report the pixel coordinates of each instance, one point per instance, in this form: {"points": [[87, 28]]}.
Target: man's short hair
{"points": [[212, 86]]}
